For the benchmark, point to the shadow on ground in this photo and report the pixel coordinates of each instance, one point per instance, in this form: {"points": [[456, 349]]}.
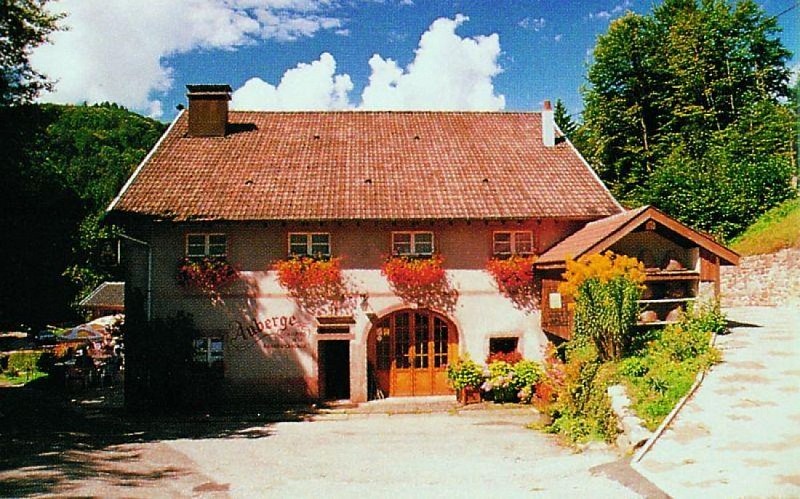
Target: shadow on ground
{"points": [[50, 440]]}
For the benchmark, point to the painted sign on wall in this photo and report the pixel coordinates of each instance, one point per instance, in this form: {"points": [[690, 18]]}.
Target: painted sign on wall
{"points": [[282, 331]]}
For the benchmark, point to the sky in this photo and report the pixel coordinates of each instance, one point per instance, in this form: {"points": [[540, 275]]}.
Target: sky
{"points": [[336, 54]]}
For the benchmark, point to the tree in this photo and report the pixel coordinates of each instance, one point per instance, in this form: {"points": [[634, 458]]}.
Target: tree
{"points": [[564, 119], [683, 103], [24, 24], [62, 165]]}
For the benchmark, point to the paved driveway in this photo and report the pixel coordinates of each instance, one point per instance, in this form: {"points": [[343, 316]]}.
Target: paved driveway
{"points": [[740, 434], [469, 454]]}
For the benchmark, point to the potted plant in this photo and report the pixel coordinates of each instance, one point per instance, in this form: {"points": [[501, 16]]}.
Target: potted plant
{"points": [[466, 377]]}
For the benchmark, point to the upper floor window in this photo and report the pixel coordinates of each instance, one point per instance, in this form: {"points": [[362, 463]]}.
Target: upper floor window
{"points": [[315, 244], [506, 244], [412, 243], [199, 245]]}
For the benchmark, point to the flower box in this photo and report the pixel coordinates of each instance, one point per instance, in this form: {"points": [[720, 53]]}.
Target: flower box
{"points": [[208, 274], [469, 395]]}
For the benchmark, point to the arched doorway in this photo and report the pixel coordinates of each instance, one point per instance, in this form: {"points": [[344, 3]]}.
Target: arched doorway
{"points": [[408, 354]]}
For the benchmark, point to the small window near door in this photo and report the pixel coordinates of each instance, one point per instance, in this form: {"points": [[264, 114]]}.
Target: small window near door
{"points": [[209, 352], [503, 345]]}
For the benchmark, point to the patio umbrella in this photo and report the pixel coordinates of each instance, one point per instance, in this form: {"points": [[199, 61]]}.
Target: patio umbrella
{"points": [[83, 332]]}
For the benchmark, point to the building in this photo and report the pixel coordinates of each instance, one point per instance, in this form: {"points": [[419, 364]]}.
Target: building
{"points": [[106, 299], [256, 187]]}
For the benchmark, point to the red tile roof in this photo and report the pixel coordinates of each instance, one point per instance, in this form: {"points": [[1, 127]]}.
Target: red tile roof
{"points": [[365, 165], [599, 235]]}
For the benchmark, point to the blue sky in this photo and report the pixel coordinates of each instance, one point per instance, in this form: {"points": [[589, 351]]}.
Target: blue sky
{"points": [[430, 54]]}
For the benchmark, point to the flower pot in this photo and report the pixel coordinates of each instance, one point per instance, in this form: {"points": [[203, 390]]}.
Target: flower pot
{"points": [[469, 395]]}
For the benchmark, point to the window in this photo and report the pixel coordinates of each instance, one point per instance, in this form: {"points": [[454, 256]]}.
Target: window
{"points": [[503, 345], [412, 243], [198, 245], [316, 244], [506, 244], [208, 351]]}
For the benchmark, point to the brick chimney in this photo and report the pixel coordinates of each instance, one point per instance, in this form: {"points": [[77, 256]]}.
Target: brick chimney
{"points": [[208, 110], [548, 125]]}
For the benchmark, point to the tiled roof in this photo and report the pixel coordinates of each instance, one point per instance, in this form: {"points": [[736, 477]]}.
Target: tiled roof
{"points": [[366, 165], [107, 294], [599, 235]]}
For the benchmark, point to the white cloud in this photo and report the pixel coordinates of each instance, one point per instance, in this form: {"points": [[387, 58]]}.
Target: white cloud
{"points": [[558, 37], [448, 72], [532, 23], [314, 86], [116, 50], [615, 11]]}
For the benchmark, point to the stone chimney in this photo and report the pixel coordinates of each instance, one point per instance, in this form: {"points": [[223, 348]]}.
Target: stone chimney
{"points": [[208, 110], [548, 125]]}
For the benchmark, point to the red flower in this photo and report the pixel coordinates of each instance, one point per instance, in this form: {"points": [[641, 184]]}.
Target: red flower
{"points": [[304, 273], [514, 275], [405, 272], [507, 357], [208, 274]]}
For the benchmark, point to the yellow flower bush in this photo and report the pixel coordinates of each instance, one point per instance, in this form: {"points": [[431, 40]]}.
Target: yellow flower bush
{"points": [[603, 266]]}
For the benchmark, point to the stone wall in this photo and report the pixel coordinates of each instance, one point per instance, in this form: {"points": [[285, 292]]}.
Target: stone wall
{"points": [[763, 280]]}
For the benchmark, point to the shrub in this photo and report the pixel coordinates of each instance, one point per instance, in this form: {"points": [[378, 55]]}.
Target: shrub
{"points": [[500, 381], [605, 314], [581, 409], [29, 364], [527, 375], [465, 373], [660, 374], [604, 267]]}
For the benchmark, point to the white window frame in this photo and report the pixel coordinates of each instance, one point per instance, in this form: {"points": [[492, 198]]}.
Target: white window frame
{"points": [[513, 242], [413, 234], [309, 238], [206, 244]]}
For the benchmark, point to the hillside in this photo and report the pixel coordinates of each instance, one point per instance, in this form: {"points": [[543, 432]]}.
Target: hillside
{"points": [[777, 229], [61, 166]]}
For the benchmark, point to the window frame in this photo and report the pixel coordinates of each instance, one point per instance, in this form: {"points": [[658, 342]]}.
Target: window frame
{"points": [[413, 244], [201, 346], [309, 244], [206, 244], [513, 243]]}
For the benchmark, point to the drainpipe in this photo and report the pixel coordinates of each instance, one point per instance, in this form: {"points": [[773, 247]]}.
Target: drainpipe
{"points": [[149, 270]]}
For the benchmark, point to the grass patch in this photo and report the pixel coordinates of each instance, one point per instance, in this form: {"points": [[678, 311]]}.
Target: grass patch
{"points": [[773, 231]]}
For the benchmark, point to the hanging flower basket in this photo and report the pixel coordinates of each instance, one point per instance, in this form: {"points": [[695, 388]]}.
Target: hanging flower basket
{"points": [[208, 274], [317, 285], [514, 278], [421, 281], [407, 272]]}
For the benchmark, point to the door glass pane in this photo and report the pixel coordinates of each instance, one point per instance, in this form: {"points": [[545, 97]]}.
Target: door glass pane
{"points": [[440, 344], [402, 341], [421, 339], [383, 346]]}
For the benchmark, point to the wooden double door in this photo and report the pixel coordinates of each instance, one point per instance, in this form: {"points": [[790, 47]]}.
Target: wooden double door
{"points": [[408, 353]]}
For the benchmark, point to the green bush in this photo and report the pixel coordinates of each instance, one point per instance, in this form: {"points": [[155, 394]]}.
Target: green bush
{"points": [[23, 362], [465, 373], [527, 374], [605, 313], [663, 372], [582, 409]]}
